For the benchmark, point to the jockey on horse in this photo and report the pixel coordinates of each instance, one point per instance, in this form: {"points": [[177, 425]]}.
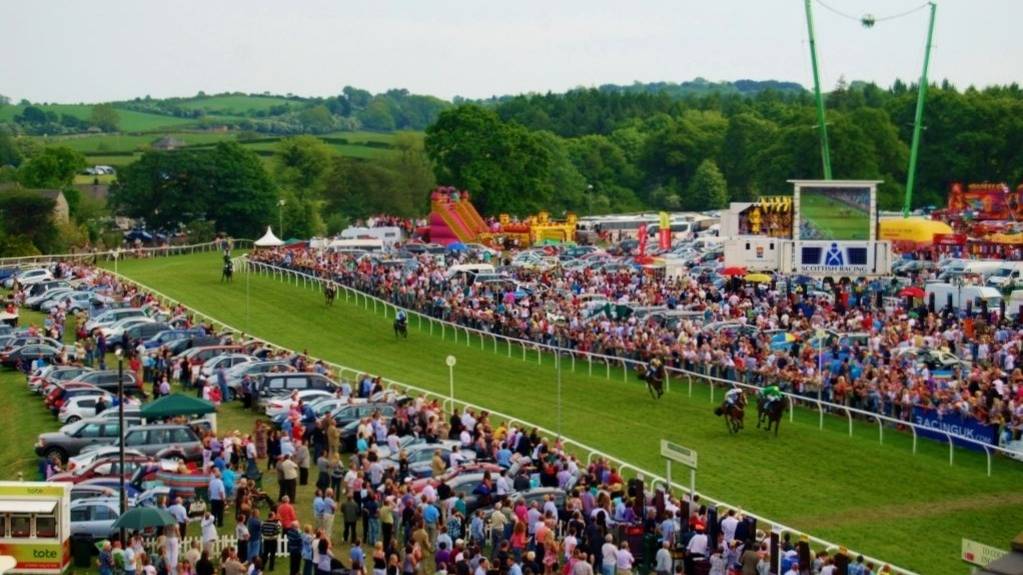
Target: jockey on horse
{"points": [[733, 409], [401, 324]]}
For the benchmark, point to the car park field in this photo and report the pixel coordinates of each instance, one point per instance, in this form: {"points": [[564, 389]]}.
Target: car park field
{"points": [[878, 499]]}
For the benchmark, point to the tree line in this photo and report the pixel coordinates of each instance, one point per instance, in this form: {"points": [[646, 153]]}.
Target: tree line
{"points": [[604, 150]]}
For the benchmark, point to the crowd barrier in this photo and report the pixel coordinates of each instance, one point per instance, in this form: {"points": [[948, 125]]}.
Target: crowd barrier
{"points": [[121, 253], [613, 364], [582, 451]]}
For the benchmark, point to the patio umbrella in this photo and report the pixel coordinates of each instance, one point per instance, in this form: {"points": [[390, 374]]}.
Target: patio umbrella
{"points": [[758, 278], [803, 280], [140, 518], [911, 291], [456, 247], [733, 271]]}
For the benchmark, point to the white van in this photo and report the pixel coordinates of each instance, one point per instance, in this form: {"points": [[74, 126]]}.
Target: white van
{"points": [[473, 269], [960, 295], [1006, 277], [389, 235]]}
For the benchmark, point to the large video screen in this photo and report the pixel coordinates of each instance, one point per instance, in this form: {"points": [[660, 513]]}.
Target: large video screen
{"points": [[834, 213]]}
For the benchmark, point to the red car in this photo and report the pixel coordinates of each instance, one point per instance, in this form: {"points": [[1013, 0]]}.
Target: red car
{"points": [[103, 467]]}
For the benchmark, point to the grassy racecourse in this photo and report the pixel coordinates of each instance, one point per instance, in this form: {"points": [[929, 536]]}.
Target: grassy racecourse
{"points": [[877, 499]]}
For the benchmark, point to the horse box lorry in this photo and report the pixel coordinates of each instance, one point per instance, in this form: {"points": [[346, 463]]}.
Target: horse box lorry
{"points": [[960, 297]]}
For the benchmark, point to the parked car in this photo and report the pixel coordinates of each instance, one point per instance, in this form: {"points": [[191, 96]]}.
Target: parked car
{"points": [[111, 316], [91, 491], [76, 301], [144, 331], [71, 442], [80, 407], [170, 335], [227, 361], [420, 457], [76, 395], [30, 353], [88, 458], [54, 373], [280, 405], [164, 441], [205, 352], [94, 518], [29, 277], [108, 466], [36, 301], [114, 331], [108, 380], [274, 384], [252, 369]]}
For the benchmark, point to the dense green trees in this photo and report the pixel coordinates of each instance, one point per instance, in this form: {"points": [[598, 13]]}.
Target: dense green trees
{"points": [[105, 117], [226, 184], [638, 147], [51, 168]]}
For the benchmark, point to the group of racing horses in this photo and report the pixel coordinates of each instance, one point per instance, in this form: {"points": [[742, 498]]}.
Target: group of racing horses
{"points": [[769, 410]]}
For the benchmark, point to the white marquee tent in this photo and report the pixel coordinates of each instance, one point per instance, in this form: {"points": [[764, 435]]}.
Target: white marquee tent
{"points": [[268, 240]]}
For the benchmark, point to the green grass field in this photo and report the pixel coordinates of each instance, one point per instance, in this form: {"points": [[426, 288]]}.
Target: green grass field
{"points": [[834, 220], [878, 499], [131, 121], [236, 105]]}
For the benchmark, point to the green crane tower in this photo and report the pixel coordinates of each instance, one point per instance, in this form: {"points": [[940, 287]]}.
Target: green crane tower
{"points": [[921, 96], [822, 126]]}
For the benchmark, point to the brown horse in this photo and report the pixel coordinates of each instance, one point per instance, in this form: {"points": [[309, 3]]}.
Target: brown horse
{"points": [[654, 379], [733, 413]]}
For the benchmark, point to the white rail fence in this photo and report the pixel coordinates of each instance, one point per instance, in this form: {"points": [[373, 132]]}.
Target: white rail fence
{"points": [[609, 364], [122, 253], [581, 450]]}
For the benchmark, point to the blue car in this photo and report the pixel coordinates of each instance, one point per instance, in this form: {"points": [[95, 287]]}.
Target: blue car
{"points": [[169, 335]]}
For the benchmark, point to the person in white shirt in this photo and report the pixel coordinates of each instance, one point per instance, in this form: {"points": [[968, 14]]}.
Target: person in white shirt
{"points": [[209, 532], [624, 560], [728, 526], [609, 556]]}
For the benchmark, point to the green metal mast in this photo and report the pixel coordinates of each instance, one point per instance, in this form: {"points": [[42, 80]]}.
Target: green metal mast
{"points": [[918, 118], [825, 149]]}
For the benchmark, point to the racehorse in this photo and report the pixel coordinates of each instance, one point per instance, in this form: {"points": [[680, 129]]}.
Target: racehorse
{"points": [[733, 413], [228, 271], [772, 413], [654, 379], [400, 329], [329, 293]]}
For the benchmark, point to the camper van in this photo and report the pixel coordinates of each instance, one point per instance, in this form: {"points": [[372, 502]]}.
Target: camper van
{"points": [[962, 296], [389, 235], [471, 271]]}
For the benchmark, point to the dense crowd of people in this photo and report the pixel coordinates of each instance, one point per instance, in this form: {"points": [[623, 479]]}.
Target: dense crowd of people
{"points": [[873, 372]]}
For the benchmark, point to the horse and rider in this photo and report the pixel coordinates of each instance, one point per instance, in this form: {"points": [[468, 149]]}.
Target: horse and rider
{"points": [[733, 409], [228, 271], [329, 292], [401, 325], [770, 407], [654, 374]]}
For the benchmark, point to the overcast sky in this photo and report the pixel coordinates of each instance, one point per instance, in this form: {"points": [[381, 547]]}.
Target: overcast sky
{"points": [[77, 50]]}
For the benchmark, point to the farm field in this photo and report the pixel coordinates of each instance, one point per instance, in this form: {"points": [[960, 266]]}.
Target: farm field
{"points": [[236, 105], [131, 121], [878, 499]]}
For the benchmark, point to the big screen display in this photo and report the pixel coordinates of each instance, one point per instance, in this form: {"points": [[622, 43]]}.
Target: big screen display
{"points": [[835, 213]]}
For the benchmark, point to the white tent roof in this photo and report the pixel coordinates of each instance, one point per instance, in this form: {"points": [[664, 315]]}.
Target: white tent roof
{"points": [[268, 240]]}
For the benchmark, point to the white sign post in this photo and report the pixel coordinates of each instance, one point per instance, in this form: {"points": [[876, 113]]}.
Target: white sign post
{"points": [[979, 554], [679, 454]]}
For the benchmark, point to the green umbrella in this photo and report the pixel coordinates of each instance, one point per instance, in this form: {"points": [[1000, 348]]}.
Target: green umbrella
{"points": [[141, 518]]}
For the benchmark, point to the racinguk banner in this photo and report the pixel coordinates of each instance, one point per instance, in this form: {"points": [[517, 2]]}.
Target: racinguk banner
{"points": [[954, 423]]}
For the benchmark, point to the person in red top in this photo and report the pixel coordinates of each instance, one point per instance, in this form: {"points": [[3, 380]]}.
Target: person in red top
{"points": [[286, 511]]}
